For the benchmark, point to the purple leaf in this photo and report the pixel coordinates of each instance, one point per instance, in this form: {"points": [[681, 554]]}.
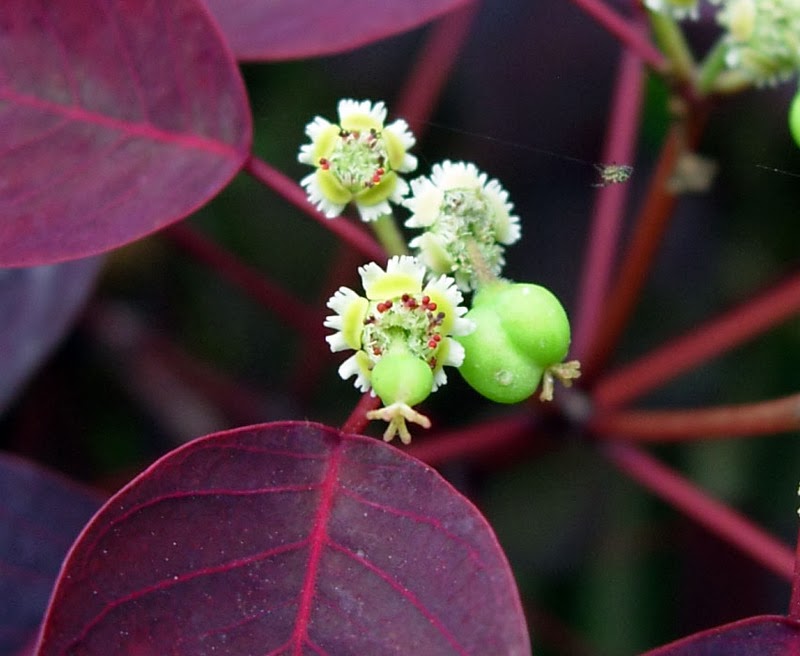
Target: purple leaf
{"points": [[40, 516], [37, 306], [294, 29], [287, 538], [768, 635], [116, 119]]}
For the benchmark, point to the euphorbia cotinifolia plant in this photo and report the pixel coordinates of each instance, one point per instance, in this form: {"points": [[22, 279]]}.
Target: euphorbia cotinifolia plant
{"points": [[307, 535]]}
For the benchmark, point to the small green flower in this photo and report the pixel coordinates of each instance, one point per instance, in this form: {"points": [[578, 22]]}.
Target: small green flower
{"points": [[467, 222], [401, 332], [676, 8], [763, 38], [357, 159]]}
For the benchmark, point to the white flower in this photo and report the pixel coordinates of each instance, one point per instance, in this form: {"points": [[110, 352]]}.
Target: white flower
{"points": [[763, 38], [398, 314], [357, 159], [467, 220], [403, 328]]}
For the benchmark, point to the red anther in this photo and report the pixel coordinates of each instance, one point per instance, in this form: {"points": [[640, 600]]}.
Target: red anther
{"points": [[380, 171], [432, 344], [387, 303], [381, 307], [412, 303], [426, 300], [432, 363], [376, 350], [437, 337], [324, 164], [405, 298], [376, 178], [432, 306]]}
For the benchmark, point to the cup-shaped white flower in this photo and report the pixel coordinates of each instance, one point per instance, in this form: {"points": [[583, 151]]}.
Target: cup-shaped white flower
{"points": [[401, 331], [467, 221], [357, 159]]}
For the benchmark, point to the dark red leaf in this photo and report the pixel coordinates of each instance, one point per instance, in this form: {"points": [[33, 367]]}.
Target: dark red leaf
{"points": [[37, 306], [286, 538], [116, 118], [768, 635], [294, 29], [40, 516]]}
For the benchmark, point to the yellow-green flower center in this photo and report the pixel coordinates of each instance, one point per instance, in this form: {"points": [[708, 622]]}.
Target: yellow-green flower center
{"points": [[358, 159]]}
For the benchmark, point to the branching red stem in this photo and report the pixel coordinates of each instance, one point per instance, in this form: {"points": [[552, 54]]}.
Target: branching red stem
{"points": [[435, 61], [287, 188], [712, 338], [762, 418], [476, 441], [357, 421], [610, 201], [632, 37], [253, 283], [689, 499]]}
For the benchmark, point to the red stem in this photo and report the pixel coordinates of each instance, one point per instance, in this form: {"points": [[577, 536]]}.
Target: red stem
{"points": [[794, 602], [435, 61], [476, 441], [610, 201], [253, 283], [357, 421], [632, 37], [712, 338], [716, 517], [650, 226], [766, 417], [292, 192]]}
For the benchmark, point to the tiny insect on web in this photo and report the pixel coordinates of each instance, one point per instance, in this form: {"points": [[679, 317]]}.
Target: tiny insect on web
{"points": [[609, 173], [613, 174]]}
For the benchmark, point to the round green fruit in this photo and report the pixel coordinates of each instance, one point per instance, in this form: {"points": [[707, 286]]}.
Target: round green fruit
{"points": [[492, 365], [794, 118], [535, 321], [402, 378]]}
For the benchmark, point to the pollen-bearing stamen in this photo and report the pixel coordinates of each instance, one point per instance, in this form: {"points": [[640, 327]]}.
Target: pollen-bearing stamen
{"points": [[357, 160], [402, 333]]}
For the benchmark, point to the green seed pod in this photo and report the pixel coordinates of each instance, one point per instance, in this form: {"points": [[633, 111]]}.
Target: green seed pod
{"points": [[535, 322], [492, 365], [794, 118], [402, 378]]}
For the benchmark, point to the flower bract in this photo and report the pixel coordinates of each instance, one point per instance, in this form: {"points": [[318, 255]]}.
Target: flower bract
{"points": [[467, 221], [357, 159], [401, 331]]}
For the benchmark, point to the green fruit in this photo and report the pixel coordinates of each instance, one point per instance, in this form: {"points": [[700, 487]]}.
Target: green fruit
{"points": [[794, 118], [492, 365], [535, 321], [402, 378]]}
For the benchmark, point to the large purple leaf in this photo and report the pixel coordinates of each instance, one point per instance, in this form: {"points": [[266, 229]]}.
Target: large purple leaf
{"points": [[37, 306], [293, 29], [287, 538], [768, 635], [40, 515], [116, 118]]}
